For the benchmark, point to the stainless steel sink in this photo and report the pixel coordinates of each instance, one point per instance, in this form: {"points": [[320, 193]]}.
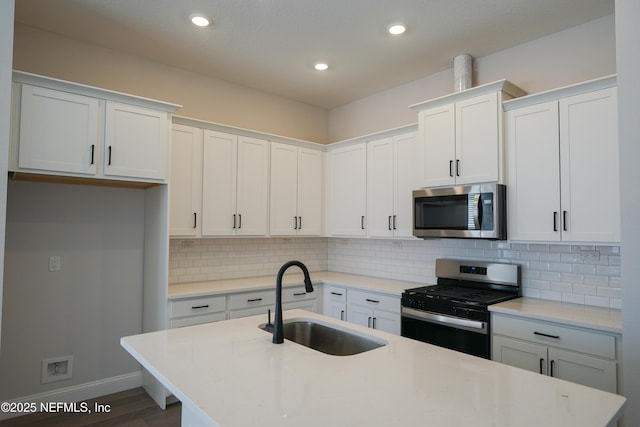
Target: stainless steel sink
{"points": [[327, 339]]}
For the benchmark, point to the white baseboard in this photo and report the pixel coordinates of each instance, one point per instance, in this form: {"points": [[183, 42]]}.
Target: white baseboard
{"points": [[79, 392]]}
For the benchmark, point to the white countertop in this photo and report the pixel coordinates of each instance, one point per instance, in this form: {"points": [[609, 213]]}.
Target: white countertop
{"points": [[230, 374], [603, 319], [389, 286]]}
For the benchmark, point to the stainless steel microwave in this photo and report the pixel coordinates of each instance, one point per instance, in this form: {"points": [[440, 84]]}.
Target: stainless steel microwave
{"points": [[471, 211]]}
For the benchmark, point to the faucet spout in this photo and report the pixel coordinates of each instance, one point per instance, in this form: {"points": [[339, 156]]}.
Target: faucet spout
{"points": [[278, 335]]}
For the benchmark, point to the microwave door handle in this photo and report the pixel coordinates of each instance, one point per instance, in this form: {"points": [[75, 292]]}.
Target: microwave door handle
{"points": [[477, 213]]}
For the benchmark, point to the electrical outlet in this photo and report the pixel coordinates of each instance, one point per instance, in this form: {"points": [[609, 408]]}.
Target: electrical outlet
{"points": [[590, 255], [55, 263]]}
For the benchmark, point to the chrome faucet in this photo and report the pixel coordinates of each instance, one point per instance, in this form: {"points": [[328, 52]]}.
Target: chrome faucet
{"points": [[278, 336]]}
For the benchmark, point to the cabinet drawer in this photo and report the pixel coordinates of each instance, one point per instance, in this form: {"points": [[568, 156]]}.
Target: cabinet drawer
{"points": [[296, 293], [335, 293], [192, 306], [582, 340], [252, 299], [375, 301], [196, 320]]}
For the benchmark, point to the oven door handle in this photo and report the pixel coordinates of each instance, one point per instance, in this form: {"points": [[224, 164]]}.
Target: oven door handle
{"points": [[441, 319]]}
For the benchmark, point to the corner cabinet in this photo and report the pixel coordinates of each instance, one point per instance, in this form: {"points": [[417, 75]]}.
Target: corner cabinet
{"points": [[66, 129], [296, 191], [571, 135], [347, 190], [579, 355], [394, 169], [462, 135]]}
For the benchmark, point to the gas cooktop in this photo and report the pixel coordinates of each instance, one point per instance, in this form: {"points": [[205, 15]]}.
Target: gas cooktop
{"points": [[459, 294]]}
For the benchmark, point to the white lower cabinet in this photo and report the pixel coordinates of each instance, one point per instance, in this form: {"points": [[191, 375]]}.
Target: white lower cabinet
{"points": [[335, 302], [374, 310], [582, 356], [245, 304], [193, 311]]}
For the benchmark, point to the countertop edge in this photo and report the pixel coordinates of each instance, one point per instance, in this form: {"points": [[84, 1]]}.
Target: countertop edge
{"points": [[597, 318]]}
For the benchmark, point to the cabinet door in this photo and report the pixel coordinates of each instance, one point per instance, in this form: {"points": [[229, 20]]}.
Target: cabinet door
{"points": [[477, 139], [524, 355], [284, 190], [219, 157], [253, 186], [385, 321], [337, 310], [310, 192], [533, 173], [589, 168], [583, 369], [380, 188], [185, 184], [437, 130], [58, 131], [348, 190], [360, 315], [408, 172], [136, 142]]}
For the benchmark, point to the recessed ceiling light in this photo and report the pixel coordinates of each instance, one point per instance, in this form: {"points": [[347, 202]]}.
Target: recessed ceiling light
{"points": [[200, 21], [397, 29], [321, 66]]}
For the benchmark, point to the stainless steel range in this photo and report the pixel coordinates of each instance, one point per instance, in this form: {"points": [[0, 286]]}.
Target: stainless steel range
{"points": [[454, 313]]}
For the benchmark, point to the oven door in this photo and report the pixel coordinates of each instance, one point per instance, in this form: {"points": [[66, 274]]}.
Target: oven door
{"points": [[467, 336]]}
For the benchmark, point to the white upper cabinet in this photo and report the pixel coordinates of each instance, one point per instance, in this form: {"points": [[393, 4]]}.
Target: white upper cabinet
{"points": [[235, 185], [347, 190], [136, 142], [563, 157], [58, 131], [296, 191], [394, 169], [185, 183], [462, 135], [63, 128]]}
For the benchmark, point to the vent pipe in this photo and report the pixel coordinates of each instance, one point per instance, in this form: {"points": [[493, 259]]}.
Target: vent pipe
{"points": [[462, 72]]}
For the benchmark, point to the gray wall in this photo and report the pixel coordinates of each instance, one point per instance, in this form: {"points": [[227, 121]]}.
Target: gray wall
{"points": [[6, 54], [571, 56], [628, 57], [83, 309]]}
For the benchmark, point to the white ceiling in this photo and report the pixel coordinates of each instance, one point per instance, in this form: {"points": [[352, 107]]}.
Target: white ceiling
{"points": [[271, 45]]}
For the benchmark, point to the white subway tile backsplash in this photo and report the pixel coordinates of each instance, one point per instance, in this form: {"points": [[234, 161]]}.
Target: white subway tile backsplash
{"points": [[549, 271]]}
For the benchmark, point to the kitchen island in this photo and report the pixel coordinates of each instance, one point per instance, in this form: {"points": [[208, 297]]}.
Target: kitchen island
{"points": [[230, 374]]}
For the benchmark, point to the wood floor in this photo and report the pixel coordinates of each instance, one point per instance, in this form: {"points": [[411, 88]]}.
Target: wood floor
{"points": [[131, 408]]}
